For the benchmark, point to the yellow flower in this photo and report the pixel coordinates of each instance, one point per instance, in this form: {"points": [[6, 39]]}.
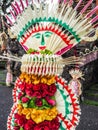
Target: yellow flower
{"points": [[44, 80], [51, 80], [51, 113], [19, 108], [38, 116]]}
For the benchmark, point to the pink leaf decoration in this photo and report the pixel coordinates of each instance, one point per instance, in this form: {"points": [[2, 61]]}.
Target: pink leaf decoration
{"points": [[9, 20], [78, 4], [15, 9], [92, 12], [94, 19], [11, 12], [86, 6], [17, 5], [22, 4]]}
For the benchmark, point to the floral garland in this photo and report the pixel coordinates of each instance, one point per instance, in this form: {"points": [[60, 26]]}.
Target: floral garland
{"points": [[35, 79], [36, 105], [31, 125]]}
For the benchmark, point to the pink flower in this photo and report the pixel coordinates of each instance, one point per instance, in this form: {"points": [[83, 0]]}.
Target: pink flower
{"points": [[50, 101], [25, 99]]}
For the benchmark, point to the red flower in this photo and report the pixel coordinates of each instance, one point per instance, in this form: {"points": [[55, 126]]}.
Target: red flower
{"points": [[29, 92], [20, 95], [29, 86], [25, 99], [36, 87], [17, 116], [42, 126], [29, 125], [22, 86], [16, 128], [55, 124], [44, 90], [51, 90], [44, 86], [37, 94], [38, 102], [20, 120]]}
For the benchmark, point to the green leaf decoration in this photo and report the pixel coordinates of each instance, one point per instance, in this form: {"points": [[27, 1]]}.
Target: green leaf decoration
{"points": [[44, 19], [40, 19], [32, 103], [30, 50], [46, 52], [60, 22], [64, 97], [55, 20], [25, 105], [21, 33], [32, 21], [52, 97], [45, 103], [49, 19]]}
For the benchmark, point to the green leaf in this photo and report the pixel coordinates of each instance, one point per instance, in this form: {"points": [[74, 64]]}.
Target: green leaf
{"points": [[32, 103], [21, 128], [25, 105]]}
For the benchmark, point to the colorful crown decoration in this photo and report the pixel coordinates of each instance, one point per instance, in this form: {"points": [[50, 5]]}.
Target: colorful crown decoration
{"points": [[46, 30], [58, 27]]}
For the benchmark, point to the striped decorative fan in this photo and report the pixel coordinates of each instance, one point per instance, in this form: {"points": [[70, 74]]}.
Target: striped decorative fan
{"points": [[51, 25]]}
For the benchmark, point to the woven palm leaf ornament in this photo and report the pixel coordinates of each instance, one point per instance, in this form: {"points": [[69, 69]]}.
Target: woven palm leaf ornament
{"points": [[46, 30]]}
